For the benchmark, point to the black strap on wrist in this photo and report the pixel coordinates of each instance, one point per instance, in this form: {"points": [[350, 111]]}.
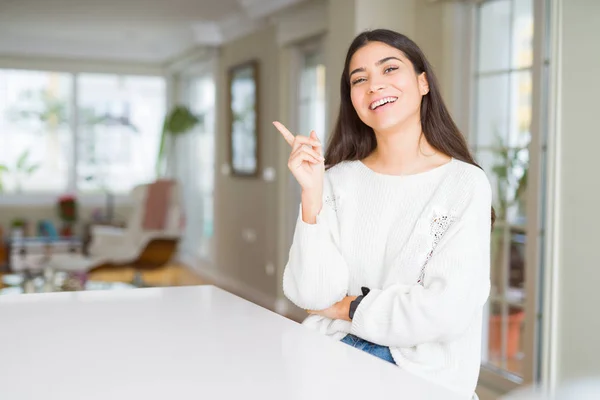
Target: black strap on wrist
{"points": [[354, 303]]}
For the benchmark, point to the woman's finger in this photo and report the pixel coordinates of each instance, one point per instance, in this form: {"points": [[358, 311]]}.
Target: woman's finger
{"points": [[299, 158], [287, 135], [307, 149], [294, 140], [306, 140], [313, 136]]}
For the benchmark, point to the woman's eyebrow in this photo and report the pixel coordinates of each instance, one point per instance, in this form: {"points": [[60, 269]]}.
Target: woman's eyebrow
{"points": [[378, 63]]}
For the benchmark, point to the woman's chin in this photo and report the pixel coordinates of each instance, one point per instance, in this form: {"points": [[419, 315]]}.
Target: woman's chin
{"points": [[385, 125]]}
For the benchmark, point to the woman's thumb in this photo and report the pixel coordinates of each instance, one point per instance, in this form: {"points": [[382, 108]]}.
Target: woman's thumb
{"points": [[314, 136]]}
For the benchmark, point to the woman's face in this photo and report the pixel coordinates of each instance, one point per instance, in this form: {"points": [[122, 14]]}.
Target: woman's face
{"points": [[384, 88]]}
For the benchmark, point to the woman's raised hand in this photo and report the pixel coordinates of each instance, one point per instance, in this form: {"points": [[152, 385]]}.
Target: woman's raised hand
{"points": [[306, 161], [307, 164]]}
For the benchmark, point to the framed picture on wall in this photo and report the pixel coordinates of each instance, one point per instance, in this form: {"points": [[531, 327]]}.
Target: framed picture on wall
{"points": [[243, 119]]}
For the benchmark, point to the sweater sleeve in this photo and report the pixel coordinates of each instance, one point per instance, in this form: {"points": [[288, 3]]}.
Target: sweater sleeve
{"points": [[455, 287], [316, 275]]}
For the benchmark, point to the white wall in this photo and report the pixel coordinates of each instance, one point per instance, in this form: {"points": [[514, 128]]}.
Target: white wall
{"points": [[340, 32], [248, 205], [578, 342], [398, 15]]}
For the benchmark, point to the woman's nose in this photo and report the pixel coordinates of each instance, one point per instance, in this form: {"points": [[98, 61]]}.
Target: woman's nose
{"points": [[376, 86]]}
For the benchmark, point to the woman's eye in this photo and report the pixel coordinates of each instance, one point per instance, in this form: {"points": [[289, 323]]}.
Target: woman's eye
{"points": [[359, 80], [390, 69]]}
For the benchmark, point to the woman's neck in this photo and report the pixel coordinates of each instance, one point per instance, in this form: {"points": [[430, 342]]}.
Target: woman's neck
{"points": [[404, 151]]}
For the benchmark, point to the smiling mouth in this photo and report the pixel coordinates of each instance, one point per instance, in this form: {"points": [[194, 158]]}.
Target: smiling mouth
{"points": [[386, 100]]}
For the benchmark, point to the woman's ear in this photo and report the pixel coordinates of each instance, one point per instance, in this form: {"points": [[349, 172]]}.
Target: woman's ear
{"points": [[423, 84]]}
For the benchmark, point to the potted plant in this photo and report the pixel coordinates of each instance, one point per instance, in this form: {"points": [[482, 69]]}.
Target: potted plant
{"points": [[511, 171], [178, 121], [19, 227], [67, 212]]}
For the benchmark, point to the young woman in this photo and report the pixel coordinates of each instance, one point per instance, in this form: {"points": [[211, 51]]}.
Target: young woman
{"points": [[391, 252]]}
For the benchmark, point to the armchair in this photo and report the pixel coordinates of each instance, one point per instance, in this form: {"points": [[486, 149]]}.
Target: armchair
{"points": [[149, 239]]}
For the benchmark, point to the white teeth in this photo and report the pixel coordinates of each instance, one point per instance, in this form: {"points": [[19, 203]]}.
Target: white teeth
{"points": [[383, 101]]}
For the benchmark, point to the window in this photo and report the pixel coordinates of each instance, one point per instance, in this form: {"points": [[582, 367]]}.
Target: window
{"points": [[502, 125], [202, 100], [311, 93], [194, 163], [112, 146], [119, 127], [308, 110], [35, 135]]}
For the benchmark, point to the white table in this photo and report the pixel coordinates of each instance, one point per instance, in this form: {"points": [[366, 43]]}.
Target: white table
{"points": [[194, 342]]}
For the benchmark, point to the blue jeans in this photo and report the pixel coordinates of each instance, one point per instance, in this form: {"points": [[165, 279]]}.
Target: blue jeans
{"points": [[382, 352]]}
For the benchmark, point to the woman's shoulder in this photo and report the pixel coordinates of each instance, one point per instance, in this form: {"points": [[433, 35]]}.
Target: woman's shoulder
{"points": [[468, 176], [467, 187], [342, 170]]}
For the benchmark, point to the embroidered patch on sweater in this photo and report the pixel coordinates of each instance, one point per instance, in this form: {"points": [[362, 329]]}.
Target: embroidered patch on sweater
{"points": [[439, 225], [332, 202]]}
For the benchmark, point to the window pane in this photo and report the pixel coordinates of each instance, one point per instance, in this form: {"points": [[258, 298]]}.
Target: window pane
{"points": [[202, 100], [516, 186], [35, 135], [516, 273], [312, 95], [498, 260], [494, 35], [519, 133], [492, 111], [505, 337], [120, 121], [494, 331], [522, 56], [494, 164]]}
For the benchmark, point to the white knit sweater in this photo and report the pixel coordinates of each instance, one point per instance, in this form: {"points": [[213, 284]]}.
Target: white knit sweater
{"points": [[421, 243]]}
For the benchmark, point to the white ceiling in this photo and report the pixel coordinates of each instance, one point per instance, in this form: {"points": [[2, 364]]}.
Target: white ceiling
{"points": [[153, 31]]}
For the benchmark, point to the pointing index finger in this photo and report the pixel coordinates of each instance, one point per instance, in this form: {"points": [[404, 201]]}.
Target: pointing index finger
{"points": [[287, 135]]}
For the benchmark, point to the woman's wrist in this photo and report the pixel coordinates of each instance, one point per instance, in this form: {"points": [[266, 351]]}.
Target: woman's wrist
{"points": [[312, 203], [356, 302]]}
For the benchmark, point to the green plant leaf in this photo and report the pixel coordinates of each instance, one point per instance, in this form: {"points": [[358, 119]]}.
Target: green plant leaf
{"points": [[522, 185], [22, 160], [179, 121], [30, 170]]}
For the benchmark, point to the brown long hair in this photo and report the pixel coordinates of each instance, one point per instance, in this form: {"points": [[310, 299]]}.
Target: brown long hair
{"points": [[352, 139]]}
